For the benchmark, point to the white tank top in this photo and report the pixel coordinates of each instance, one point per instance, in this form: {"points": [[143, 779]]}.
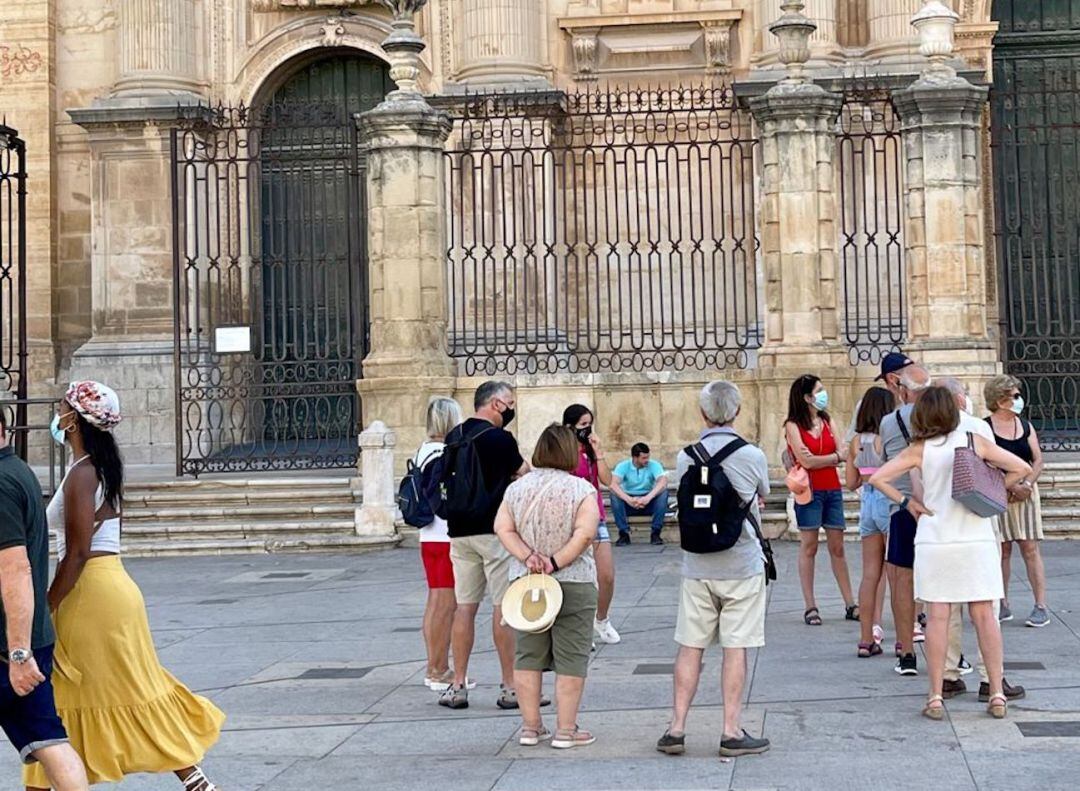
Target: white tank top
{"points": [[106, 536]]}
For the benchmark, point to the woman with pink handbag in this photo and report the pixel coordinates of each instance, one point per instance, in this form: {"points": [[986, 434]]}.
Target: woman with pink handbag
{"points": [[956, 551]]}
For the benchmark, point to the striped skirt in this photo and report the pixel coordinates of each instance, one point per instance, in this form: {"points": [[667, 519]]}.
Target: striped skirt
{"points": [[1023, 520]]}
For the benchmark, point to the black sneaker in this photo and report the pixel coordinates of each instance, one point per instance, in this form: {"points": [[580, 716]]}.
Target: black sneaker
{"points": [[906, 666], [922, 619], [1011, 692], [624, 539], [964, 666], [743, 745], [672, 745], [656, 541], [950, 689]]}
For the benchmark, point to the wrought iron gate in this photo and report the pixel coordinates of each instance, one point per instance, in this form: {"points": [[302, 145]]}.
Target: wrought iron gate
{"points": [[1035, 106], [13, 349], [602, 231]]}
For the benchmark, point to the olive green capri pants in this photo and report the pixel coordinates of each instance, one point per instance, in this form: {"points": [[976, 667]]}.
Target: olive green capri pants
{"points": [[564, 647]]}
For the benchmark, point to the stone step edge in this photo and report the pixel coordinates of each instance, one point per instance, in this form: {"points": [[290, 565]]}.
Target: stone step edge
{"points": [[244, 483], [242, 528], [354, 543], [244, 511]]}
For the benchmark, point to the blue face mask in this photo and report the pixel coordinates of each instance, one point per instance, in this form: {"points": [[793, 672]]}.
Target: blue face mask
{"points": [[1018, 405], [56, 431], [821, 400]]}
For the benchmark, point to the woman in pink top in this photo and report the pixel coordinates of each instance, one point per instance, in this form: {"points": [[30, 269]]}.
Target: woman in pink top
{"points": [[594, 469]]}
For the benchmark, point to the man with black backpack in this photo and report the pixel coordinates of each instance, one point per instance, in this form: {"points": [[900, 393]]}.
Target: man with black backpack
{"points": [[726, 566], [480, 460]]}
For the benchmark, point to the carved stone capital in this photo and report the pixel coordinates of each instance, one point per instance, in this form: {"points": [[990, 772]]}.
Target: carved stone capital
{"points": [[718, 46], [585, 44]]}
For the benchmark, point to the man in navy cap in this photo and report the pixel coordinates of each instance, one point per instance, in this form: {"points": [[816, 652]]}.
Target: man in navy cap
{"points": [[892, 367]]}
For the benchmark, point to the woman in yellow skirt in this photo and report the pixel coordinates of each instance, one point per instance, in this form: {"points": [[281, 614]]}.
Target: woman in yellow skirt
{"points": [[123, 711]]}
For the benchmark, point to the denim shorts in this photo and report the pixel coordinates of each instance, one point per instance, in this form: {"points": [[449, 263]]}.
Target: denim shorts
{"points": [[602, 534], [30, 721], [825, 510], [873, 513]]}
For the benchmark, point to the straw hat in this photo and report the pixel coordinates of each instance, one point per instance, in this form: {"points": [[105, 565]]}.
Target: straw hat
{"points": [[531, 603]]}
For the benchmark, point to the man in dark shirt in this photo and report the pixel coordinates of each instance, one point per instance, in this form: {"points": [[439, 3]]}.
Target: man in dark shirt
{"points": [[27, 708], [480, 561]]}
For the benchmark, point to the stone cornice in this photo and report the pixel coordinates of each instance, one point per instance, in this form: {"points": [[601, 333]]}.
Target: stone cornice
{"points": [[570, 23], [266, 6]]}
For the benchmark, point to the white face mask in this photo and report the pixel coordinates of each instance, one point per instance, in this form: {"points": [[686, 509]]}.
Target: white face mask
{"points": [[969, 405], [1017, 405]]}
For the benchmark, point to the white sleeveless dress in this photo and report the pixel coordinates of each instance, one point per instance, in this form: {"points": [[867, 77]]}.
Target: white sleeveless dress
{"points": [[957, 556]]}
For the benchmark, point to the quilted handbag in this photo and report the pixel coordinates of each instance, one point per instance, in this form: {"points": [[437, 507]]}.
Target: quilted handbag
{"points": [[975, 484]]}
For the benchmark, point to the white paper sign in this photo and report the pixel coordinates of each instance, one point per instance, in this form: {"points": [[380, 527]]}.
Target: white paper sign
{"points": [[232, 340]]}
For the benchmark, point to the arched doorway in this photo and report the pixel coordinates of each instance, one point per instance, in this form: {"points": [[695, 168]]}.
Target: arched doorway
{"points": [[271, 270]]}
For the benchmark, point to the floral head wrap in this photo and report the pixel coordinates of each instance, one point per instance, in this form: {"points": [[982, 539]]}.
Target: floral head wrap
{"points": [[97, 403]]}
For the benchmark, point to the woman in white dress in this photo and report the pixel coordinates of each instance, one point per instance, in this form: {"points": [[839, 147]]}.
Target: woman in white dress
{"points": [[956, 551]]}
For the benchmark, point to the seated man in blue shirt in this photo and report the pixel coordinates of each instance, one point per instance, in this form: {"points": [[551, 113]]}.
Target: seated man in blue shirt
{"points": [[639, 488]]}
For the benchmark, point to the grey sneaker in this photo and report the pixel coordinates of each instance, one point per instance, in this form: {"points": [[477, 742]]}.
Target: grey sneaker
{"points": [[1039, 617], [1004, 614], [742, 745], [455, 698]]}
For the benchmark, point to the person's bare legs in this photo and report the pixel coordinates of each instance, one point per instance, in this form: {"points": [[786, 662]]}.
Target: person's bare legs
{"points": [[438, 625], [873, 556], [988, 631], [462, 638], [527, 683], [902, 591], [808, 543], [1006, 569], [834, 540], [687, 674], [937, 641], [63, 767], [605, 578], [568, 691], [732, 681], [1035, 571], [503, 637], [879, 597]]}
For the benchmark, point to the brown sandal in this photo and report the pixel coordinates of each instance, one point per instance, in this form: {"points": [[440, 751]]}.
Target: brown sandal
{"points": [[998, 710], [932, 712]]}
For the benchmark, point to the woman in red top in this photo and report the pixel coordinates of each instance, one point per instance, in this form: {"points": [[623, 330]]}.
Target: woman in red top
{"points": [[811, 439]]}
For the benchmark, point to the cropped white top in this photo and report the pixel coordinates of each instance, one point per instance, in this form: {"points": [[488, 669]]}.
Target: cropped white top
{"points": [[106, 536]]}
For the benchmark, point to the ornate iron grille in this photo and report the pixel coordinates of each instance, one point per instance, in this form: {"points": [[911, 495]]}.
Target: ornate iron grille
{"points": [[13, 349], [268, 249], [871, 223], [1035, 111], [602, 232]]}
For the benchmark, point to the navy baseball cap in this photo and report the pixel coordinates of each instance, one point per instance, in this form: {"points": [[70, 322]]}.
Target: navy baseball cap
{"points": [[893, 362]]}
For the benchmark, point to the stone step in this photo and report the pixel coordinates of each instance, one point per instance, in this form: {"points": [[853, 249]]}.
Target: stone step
{"points": [[240, 528], [234, 497], [155, 514], [233, 484], [156, 547]]}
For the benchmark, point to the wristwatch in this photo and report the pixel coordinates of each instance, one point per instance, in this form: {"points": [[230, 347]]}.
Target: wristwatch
{"points": [[19, 656]]}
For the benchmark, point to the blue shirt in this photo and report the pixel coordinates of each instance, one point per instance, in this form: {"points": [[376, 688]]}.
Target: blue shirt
{"points": [[638, 481]]}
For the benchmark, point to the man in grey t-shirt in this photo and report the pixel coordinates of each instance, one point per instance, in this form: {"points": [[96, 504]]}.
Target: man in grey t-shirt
{"points": [[723, 593]]}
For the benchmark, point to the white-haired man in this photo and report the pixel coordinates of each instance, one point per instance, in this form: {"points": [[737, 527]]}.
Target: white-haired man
{"points": [[955, 666], [723, 593]]}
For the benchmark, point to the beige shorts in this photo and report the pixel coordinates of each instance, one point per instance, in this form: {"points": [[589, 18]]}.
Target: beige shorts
{"points": [[480, 563], [731, 612]]}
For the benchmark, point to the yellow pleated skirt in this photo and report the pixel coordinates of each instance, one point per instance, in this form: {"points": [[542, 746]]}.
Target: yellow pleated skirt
{"points": [[124, 712]]}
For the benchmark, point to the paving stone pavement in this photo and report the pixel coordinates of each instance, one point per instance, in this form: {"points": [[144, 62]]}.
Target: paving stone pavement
{"points": [[318, 662]]}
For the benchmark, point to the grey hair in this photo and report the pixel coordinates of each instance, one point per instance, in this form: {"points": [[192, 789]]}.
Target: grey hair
{"points": [[909, 380], [720, 402], [952, 384], [998, 389], [442, 415], [489, 390]]}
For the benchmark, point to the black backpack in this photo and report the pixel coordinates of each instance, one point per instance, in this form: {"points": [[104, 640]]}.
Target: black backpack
{"points": [[711, 513], [417, 494], [462, 495]]}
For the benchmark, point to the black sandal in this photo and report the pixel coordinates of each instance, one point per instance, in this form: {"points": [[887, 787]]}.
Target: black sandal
{"points": [[850, 614], [812, 617]]}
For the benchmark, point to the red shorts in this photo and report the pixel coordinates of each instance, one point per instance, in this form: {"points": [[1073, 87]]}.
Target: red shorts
{"points": [[437, 565]]}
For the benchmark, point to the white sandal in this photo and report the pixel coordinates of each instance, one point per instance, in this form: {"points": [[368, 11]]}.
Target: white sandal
{"points": [[197, 781]]}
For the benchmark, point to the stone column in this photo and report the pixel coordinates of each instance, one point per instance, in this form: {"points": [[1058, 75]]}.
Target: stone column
{"points": [[891, 36], [798, 231], [944, 231], [158, 47], [406, 220], [500, 42], [824, 46], [376, 515]]}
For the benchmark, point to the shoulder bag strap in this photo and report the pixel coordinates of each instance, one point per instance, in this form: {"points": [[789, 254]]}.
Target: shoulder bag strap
{"points": [[903, 427]]}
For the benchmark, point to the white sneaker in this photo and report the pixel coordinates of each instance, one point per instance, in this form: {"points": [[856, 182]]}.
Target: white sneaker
{"points": [[444, 683], [606, 632], [918, 636]]}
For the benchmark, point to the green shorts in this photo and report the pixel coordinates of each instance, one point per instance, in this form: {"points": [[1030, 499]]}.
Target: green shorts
{"points": [[564, 647]]}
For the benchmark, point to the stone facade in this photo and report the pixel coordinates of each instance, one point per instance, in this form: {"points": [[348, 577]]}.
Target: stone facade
{"points": [[94, 86]]}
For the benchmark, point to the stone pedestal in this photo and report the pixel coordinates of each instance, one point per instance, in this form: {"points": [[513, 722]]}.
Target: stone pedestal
{"points": [[944, 230], [799, 245], [406, 219], [375, 517]]}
